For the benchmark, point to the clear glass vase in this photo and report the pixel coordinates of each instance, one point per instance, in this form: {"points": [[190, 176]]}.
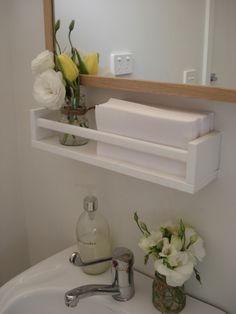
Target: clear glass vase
{"points": [[165, 298], [77, 117]]}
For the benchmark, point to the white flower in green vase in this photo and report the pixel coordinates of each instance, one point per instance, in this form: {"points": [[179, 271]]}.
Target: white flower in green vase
{"points": [[171, 247], [150, 241], [177, 268], [175, 250], [194, 245], [168, 248]]}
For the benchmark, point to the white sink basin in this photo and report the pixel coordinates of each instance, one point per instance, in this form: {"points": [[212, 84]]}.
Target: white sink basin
{"points": [[51, 301], [41, 289]]}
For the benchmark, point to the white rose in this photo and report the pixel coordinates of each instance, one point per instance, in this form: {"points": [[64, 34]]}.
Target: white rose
{"points": [[49, 89], [153, 239], [173, 228], [168, 248], [196, 249], [182, 271], [43, 62]]}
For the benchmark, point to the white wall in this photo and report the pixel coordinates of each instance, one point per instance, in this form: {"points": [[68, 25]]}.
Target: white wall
{"points": [[165, 36], [13, 242], [223, 61], [53, 187]]}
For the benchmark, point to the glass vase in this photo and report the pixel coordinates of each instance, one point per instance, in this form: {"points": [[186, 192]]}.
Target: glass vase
{"points": [[77, 117], [165, 298]]}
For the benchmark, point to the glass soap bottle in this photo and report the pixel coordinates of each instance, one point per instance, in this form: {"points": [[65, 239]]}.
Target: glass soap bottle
{"points": [[93, 236]]}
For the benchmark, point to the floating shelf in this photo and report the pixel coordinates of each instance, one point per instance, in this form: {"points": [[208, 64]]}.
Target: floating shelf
{"points": [[201, 157]]}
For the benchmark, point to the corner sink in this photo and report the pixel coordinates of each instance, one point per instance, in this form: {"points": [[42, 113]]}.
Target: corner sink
{"points": [[41, 289]]}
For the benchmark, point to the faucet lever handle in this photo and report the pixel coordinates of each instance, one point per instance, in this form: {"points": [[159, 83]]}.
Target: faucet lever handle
{"points": [[76, 260], [120, 254], [123, 255]]}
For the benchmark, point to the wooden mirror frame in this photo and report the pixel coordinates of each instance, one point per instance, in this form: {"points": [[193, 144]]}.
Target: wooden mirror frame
{"points": [[153, 87]]}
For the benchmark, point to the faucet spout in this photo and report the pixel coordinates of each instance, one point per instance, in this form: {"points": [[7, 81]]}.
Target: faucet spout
{"points": [[73, 296]]}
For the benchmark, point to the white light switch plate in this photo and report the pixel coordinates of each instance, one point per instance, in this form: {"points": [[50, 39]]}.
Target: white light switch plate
{"points": [[121, 63]]}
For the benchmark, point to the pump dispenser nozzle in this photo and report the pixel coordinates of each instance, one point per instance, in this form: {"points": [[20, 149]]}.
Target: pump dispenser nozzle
{"points": [[90, 203]]}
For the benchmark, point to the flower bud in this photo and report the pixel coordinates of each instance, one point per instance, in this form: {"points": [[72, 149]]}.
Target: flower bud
{"points": [[57, 25], [143, 226], [68, 67], [176, 242], [136, 216], [193, 239], [91, 62], [72, 25]]}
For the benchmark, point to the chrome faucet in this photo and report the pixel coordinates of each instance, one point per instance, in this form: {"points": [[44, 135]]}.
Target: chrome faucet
{"points": [[122, 287]]}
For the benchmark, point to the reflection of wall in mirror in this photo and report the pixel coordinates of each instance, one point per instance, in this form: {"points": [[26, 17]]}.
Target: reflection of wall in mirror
{"points": [[224, 48], [166, 37]]}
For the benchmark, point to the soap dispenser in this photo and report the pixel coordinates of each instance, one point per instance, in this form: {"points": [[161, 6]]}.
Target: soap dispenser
{"points": [[93, 236]]}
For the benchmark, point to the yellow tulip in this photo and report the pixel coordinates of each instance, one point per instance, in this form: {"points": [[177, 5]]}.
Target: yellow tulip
{"points": [[91, 62], [68, 67]]}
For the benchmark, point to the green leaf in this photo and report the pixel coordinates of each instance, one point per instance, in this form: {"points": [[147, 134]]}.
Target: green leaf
{"points": [[73, 55], [146, 258], [166, 233], [155, 250], [166, 263], [82, 66], [197, 275]]}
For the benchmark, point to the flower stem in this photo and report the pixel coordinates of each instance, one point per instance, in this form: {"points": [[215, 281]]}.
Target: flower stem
{"points": [[56, 28], [66, 135]]}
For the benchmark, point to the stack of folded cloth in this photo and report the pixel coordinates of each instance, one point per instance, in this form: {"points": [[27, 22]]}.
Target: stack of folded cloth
{"points": [[165, 126]]}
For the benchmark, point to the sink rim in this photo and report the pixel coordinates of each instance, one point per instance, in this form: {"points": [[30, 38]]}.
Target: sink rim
{"points": [[57, 274]]}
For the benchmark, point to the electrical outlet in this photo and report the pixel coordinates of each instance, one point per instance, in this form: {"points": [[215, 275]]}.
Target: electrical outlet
{"points": [[121, 63], [190, 76]]}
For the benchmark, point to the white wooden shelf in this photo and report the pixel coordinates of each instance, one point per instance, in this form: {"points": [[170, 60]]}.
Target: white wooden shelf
{"points": [[201, 157]]}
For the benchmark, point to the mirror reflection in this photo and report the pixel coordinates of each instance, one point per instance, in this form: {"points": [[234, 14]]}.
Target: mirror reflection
{"points": [[180, 41]]}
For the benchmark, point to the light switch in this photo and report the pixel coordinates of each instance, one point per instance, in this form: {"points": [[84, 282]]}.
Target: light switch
{"points": [[121, 63]]}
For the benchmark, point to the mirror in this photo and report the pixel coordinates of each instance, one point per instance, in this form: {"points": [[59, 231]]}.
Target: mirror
{"points": [[171, 41]]}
